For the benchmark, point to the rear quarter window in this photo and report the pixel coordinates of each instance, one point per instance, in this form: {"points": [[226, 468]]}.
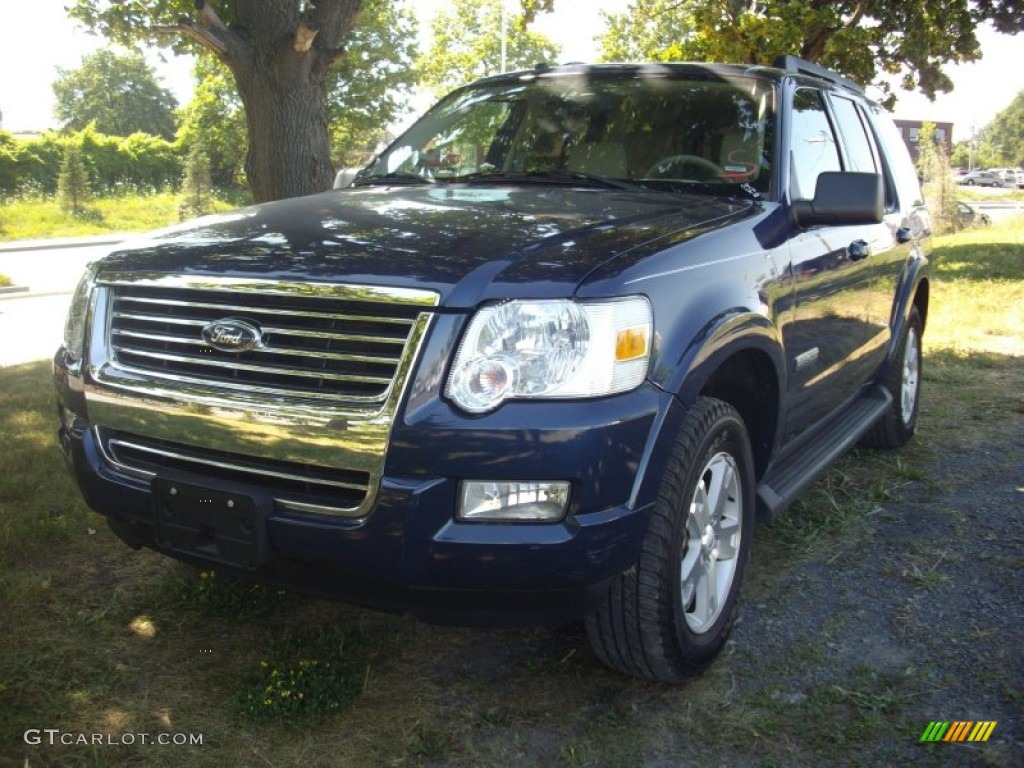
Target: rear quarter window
{"points": [[904, 173]]}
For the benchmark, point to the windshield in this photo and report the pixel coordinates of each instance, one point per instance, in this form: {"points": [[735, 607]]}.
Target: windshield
{"points": [[699, 131]]}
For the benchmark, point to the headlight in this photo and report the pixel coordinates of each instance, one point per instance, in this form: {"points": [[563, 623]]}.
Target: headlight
{"points": [[548, 349], [74, 326]]}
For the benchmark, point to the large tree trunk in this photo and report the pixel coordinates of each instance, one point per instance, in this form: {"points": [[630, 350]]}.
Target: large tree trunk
{"points": [[279, 52], [289, 148]]}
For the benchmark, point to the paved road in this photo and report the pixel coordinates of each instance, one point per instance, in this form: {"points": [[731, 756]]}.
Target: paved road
{"points": [[999, 211], [32, 325], [31, 328], [49, 269]]}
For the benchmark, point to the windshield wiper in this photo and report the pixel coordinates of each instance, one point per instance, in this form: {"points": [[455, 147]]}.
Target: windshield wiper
{"points": [[394, 177], [706, 188]]}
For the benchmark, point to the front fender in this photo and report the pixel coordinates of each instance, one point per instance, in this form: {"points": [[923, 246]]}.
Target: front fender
{"points": [[720, 340]]}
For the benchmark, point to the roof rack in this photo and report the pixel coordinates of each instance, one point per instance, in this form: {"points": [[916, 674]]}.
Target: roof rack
{"points": [[795, 65]]}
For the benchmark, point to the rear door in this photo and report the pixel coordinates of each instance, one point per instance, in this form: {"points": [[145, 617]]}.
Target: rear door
{"points": [[836, 327], [888, 242]]}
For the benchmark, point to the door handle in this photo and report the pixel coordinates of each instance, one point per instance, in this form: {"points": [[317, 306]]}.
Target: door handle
{"points": [[858, 250]]}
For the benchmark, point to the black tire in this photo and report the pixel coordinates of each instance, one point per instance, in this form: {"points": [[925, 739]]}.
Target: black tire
{"points": [[646, 627], [899, 423]]}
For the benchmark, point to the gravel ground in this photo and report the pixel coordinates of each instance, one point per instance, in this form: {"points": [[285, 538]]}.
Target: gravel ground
{"points": [[839, 658], [924, 622]]}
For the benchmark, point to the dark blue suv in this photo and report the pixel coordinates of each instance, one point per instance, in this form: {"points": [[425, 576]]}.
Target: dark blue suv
{"points": [[547, 357]]}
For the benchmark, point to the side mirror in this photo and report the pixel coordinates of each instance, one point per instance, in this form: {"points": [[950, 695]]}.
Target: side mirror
{"points": [[842, 198]]}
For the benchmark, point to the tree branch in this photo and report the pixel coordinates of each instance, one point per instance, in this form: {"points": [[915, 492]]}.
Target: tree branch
{"points": [[209, 15], [304, 36], [858, 13], [201, 35]]}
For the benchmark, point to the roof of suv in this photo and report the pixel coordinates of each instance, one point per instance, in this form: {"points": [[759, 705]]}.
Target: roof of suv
{"points": [[782, 66]]}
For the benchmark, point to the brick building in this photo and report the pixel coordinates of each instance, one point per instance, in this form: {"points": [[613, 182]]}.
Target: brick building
{"points": [[911, 129]]}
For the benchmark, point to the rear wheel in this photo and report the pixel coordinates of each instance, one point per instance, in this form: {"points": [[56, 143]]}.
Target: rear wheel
{"points": [[904, 384], [675, 608]]}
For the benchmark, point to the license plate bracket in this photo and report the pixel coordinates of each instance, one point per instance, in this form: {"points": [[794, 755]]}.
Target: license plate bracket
{"points": [[223, 526]]}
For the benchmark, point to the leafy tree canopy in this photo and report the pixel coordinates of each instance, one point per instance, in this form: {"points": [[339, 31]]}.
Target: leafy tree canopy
{"points": [[1005, 134], [365, 93], [215, 120], [117, 93], [862, 39], [466, 44], [367, 88], [281, 54]]}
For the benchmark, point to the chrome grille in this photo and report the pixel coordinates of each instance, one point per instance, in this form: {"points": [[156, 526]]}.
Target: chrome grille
{"points": [[294, 486], [314, 342]]}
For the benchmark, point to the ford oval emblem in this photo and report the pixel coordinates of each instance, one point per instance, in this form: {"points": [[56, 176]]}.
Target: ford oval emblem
{"points": [[232, 335]]}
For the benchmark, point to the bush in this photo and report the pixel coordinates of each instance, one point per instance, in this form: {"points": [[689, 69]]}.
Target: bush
{"points": [[939, 187], [196, 186], [135, 164], [73, 183]]}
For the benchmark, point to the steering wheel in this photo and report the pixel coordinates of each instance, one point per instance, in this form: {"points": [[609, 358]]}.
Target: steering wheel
{"points": [[671, 167]]}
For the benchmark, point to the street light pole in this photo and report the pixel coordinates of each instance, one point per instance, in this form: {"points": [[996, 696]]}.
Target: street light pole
{"points": [[504, 35]]}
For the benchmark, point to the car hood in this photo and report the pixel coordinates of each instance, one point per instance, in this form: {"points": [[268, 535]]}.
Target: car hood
{"points": [[466, 242]]}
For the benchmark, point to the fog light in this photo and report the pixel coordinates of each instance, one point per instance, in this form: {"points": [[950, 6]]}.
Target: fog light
{"points": [[492, 501]]}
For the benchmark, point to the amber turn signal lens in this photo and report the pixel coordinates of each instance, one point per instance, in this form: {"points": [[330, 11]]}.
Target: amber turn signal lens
{"points": [[630, 343]]}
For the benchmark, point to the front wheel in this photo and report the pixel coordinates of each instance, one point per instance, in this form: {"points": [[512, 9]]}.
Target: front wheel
{"points": [[674, 609]]}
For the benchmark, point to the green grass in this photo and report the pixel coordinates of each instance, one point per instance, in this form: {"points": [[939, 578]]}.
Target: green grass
{"points": [[988, 194], [36, 218], [99, 638]]}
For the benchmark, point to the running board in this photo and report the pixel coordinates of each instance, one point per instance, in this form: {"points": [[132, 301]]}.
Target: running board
{"points": [[787, 479]]}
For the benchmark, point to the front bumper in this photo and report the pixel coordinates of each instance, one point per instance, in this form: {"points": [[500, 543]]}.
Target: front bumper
{"points": [[407, 551]]}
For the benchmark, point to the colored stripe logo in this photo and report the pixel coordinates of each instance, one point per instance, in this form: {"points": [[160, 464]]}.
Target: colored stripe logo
{"points": [[958, 730]]}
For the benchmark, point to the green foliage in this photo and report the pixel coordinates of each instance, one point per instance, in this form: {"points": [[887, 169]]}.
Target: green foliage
{"points": [[367, 87], [305, 676], [532, 7], [73, 182], [327, 96], [1005, 135], [915, 39], [30, 166], [215, 118], [999, 144], [210, 594], [939, 185], [196, 185], [466, 45], [116, 165], [365, 93], [117, 94]]}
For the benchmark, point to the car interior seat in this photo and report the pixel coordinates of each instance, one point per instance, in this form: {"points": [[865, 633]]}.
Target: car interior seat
{"points": [[601, 158]]}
